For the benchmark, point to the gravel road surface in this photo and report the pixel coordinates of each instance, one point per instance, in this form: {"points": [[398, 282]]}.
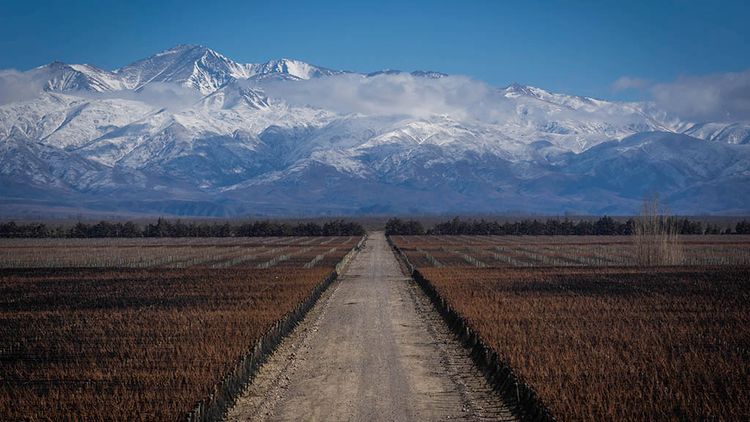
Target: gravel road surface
{"points": [[372, 349]]}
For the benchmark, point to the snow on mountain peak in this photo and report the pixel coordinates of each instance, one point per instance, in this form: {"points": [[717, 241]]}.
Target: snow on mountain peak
{"points": [[575, 102], [516, 90], [58, 76], [439, 142], [189, 65], [192, 66], [289, 69]]}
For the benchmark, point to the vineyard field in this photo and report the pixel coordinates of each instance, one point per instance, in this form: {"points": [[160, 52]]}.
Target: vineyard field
{"points": [[561, 251], [175, 252], [141, 329], [600, 338]]}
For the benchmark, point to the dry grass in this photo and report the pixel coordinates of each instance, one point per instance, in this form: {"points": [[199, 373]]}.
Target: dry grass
{"points": [[656, 238]]}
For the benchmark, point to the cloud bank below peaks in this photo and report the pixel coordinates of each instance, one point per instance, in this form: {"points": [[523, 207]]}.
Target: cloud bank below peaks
{"points": [[723, 97], [18, 86], [719, 97], [395, 94], [165, 95]]}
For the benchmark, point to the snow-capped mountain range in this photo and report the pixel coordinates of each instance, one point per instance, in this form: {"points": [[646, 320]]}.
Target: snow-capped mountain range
{"points": [[189, 131]]}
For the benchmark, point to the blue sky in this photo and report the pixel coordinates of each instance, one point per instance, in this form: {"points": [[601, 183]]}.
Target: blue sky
{"points": [[578, 47]]}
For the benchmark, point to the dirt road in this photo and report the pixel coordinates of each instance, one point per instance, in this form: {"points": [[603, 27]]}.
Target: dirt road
{"points": [[372, 348]]}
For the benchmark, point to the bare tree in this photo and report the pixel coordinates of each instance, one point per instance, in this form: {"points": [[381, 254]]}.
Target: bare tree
{"points": [[656, 236]]}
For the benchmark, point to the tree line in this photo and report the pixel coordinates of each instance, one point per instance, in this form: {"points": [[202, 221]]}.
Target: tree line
{"points": [[604, 226], [165, 228]]}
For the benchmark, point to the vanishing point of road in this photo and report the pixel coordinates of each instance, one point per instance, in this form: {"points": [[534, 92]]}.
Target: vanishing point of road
{"points": [[372, 349]]}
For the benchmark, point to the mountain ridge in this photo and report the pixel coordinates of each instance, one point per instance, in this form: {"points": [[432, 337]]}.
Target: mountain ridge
{"points": [[189, 126], [194, 66]]}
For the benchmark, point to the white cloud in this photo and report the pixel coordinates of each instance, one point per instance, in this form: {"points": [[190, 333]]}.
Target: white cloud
{"points": [[18, 86], [626, 83], [718, 97], [158, 94], [400, 94]]}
